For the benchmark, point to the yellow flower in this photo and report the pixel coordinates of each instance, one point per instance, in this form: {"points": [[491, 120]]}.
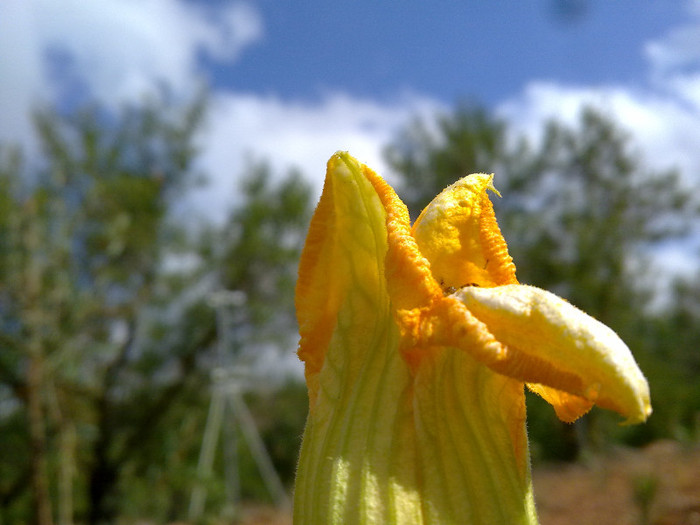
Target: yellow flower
{"points": [[417, 343]]}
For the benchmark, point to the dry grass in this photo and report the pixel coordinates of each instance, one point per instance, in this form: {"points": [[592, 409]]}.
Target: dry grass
{"points": [[614, 490]]}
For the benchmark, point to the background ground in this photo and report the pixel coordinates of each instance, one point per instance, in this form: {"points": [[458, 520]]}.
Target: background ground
{"points": [[657, 485]]}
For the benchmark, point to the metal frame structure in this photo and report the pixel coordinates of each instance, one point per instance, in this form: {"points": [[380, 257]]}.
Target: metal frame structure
{"points": [[229, 413]]}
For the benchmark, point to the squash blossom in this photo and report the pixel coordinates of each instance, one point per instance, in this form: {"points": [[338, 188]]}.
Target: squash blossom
{"points": [[417, 343]]}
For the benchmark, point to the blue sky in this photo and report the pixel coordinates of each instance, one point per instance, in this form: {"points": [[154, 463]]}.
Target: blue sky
{"points": [[293, 81], [487, 51]]}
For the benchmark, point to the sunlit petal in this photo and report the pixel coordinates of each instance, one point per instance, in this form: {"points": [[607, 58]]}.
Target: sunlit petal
{"points": [[342, 265], [553, 343], [458, 233]]}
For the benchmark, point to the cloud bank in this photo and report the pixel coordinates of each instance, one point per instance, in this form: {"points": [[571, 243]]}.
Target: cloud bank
{"points": [[122, 50], [245, 128], [117, 51], [661, 111], [113, 51]]}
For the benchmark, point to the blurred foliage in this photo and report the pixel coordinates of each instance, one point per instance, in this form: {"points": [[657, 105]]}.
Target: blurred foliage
{"points": [[280, 417], [107, 330], [109, 336], [582, 216], [84, 230], [269, 228]]}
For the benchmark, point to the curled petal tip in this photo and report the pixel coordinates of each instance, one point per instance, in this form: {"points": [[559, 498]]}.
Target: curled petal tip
{"points": [[553, 343], [491, 187], [642, 412], [458, 233]]}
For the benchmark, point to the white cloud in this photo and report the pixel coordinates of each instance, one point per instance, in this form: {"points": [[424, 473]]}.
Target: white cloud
{"points": [[111, 50], [20, 71], [663, 127], [679, 49], [662, 113], [122, 48], [288, 134]]}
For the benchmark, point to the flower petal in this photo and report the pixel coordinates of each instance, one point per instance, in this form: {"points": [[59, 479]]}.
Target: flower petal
{"points": [[550, 342], [342, 264], [410, 280], [568, 407], [470, 429], [458, 233], [357, 461]]}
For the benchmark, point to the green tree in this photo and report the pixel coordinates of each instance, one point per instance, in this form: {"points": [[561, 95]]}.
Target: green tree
{"points": [[671, 354], [262, 243], [107, 332], [600, 213], [84, 235]]}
